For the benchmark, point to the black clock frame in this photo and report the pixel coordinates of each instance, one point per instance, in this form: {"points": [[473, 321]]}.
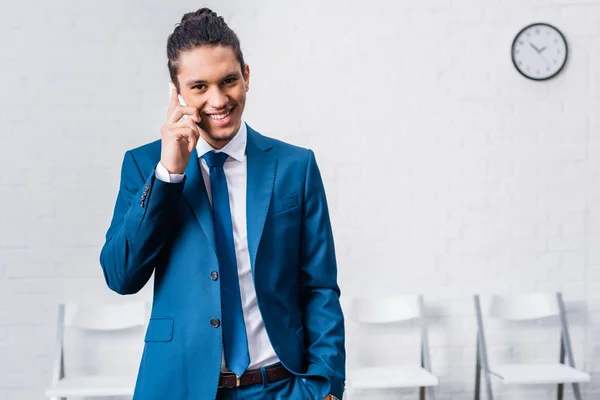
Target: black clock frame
{"points": [[512, 51]]}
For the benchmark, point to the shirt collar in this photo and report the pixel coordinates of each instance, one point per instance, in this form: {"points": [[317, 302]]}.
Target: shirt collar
{"points": [[235, 148]]}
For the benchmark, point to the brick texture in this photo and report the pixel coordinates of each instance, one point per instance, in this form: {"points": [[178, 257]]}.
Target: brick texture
{"points": [[447, 172]]}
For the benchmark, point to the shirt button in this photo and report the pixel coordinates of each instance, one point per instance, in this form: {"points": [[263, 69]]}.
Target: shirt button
{"points": [[214, 275], [214, 322]]}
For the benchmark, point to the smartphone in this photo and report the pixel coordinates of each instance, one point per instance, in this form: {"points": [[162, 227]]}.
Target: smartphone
{"points": [[181, 100]]}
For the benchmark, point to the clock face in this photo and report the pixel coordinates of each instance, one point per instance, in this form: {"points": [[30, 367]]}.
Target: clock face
{"points": [[539, 51]]}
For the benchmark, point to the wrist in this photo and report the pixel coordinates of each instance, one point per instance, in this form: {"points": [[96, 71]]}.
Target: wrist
{"points": [[172, 170]]}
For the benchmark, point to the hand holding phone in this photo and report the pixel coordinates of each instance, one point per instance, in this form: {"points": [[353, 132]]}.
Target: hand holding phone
{"points": [[179, 135], [181, 100]]}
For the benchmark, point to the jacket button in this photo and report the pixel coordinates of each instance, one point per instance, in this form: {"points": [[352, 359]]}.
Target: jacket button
{"points": [[214, 275], [214, 322]]}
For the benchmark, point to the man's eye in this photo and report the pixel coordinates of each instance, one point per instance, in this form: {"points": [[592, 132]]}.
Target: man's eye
{"points": [[228, 81], [198, 87]]}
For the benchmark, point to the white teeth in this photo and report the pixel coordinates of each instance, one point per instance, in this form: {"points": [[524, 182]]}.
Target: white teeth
{"points": [[220, 116]]}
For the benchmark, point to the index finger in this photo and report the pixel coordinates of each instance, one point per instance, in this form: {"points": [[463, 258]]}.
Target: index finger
{"points": [[181, 111], [174, 100]]}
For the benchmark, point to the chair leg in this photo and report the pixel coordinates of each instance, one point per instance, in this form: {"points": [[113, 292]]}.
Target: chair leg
{"points": [[477, 374], [576, 391], [480, 370], [561, 387], [560, 391], [488, 385]]}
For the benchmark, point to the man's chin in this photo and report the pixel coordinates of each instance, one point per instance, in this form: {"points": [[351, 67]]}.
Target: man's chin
{"points": [[221, 136], [223, 133]]}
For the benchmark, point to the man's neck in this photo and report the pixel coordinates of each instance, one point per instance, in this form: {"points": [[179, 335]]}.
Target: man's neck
{"points": [[219, 144]]}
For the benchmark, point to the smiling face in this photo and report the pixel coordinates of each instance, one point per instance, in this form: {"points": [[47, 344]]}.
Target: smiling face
{"points": [[211, 80]]}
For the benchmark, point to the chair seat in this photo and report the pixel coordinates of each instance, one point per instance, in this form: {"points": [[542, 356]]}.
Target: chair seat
{"points": [[390, 377], [93, 386], [517, 374]]}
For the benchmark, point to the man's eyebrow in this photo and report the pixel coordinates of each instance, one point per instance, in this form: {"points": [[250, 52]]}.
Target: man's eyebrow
{"points": [[194, 82]]}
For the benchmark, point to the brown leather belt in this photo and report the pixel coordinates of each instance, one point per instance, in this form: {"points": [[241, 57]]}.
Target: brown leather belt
{"points": [[275, 372]]}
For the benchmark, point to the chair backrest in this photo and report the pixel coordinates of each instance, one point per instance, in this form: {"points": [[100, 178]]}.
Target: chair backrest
{"points": [[523, 307], [520, 308], [380, 310], [97, 317], [385, 309], [105, 317]]}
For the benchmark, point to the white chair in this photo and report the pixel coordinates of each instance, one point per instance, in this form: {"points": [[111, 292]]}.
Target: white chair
{"points": [[106, 317], [388, 310], [523, 308]]}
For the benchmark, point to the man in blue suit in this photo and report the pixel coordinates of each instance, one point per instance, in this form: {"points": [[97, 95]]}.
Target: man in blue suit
{"points": [[235, 227]]}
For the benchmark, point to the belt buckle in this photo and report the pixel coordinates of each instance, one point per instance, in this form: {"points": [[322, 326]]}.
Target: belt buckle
{"points": [[238, 382]]}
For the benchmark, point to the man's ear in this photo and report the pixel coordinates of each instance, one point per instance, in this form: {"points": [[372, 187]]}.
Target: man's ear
{"points": [[246, 73]]}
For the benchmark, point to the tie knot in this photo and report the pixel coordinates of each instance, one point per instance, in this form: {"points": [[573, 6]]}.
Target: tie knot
{"points": [[214, 159]]}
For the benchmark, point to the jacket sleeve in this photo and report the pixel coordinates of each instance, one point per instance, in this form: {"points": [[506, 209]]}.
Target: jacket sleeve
{"points": [[139, 228], [319, 291]]}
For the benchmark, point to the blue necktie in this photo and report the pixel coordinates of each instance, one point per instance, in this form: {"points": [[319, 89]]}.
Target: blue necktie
{"points": [[235, 341]]}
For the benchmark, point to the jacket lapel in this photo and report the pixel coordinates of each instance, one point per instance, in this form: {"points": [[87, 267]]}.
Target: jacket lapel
{"points": [[197, 198], [261, 178]]}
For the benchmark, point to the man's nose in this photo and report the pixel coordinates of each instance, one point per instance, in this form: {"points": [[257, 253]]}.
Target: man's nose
{"points": [[217, 99]]}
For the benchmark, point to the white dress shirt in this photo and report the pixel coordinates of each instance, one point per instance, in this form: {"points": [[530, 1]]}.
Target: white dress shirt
{"points": [[235, 167]]}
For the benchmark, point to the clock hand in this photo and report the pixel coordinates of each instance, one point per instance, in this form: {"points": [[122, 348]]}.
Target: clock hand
{"points": [[539, 52], [544, 58], [542, 49], [535, 48]]}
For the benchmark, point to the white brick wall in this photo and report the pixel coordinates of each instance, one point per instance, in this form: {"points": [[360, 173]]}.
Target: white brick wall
{"points": [[447, 172]]}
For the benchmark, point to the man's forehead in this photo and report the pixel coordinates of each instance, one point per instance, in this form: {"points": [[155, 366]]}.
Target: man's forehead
{"points": [[208, 63]]}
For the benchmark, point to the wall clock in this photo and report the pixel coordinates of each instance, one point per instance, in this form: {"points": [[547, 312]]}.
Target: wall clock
{"points": [[539, 51]]}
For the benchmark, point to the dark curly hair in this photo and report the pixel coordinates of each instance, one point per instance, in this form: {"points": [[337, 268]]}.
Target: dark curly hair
{"points": [[199, 28]]}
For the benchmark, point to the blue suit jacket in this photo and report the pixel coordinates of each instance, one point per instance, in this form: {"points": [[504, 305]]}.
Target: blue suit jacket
{"points": [[167, 228]]}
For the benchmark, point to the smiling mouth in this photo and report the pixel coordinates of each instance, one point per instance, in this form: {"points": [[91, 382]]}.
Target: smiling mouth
{"points": [[222, 115]]}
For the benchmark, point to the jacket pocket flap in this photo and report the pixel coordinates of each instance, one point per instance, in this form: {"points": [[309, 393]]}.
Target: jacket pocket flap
{"points": [[159, 330], [286, 203]]}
